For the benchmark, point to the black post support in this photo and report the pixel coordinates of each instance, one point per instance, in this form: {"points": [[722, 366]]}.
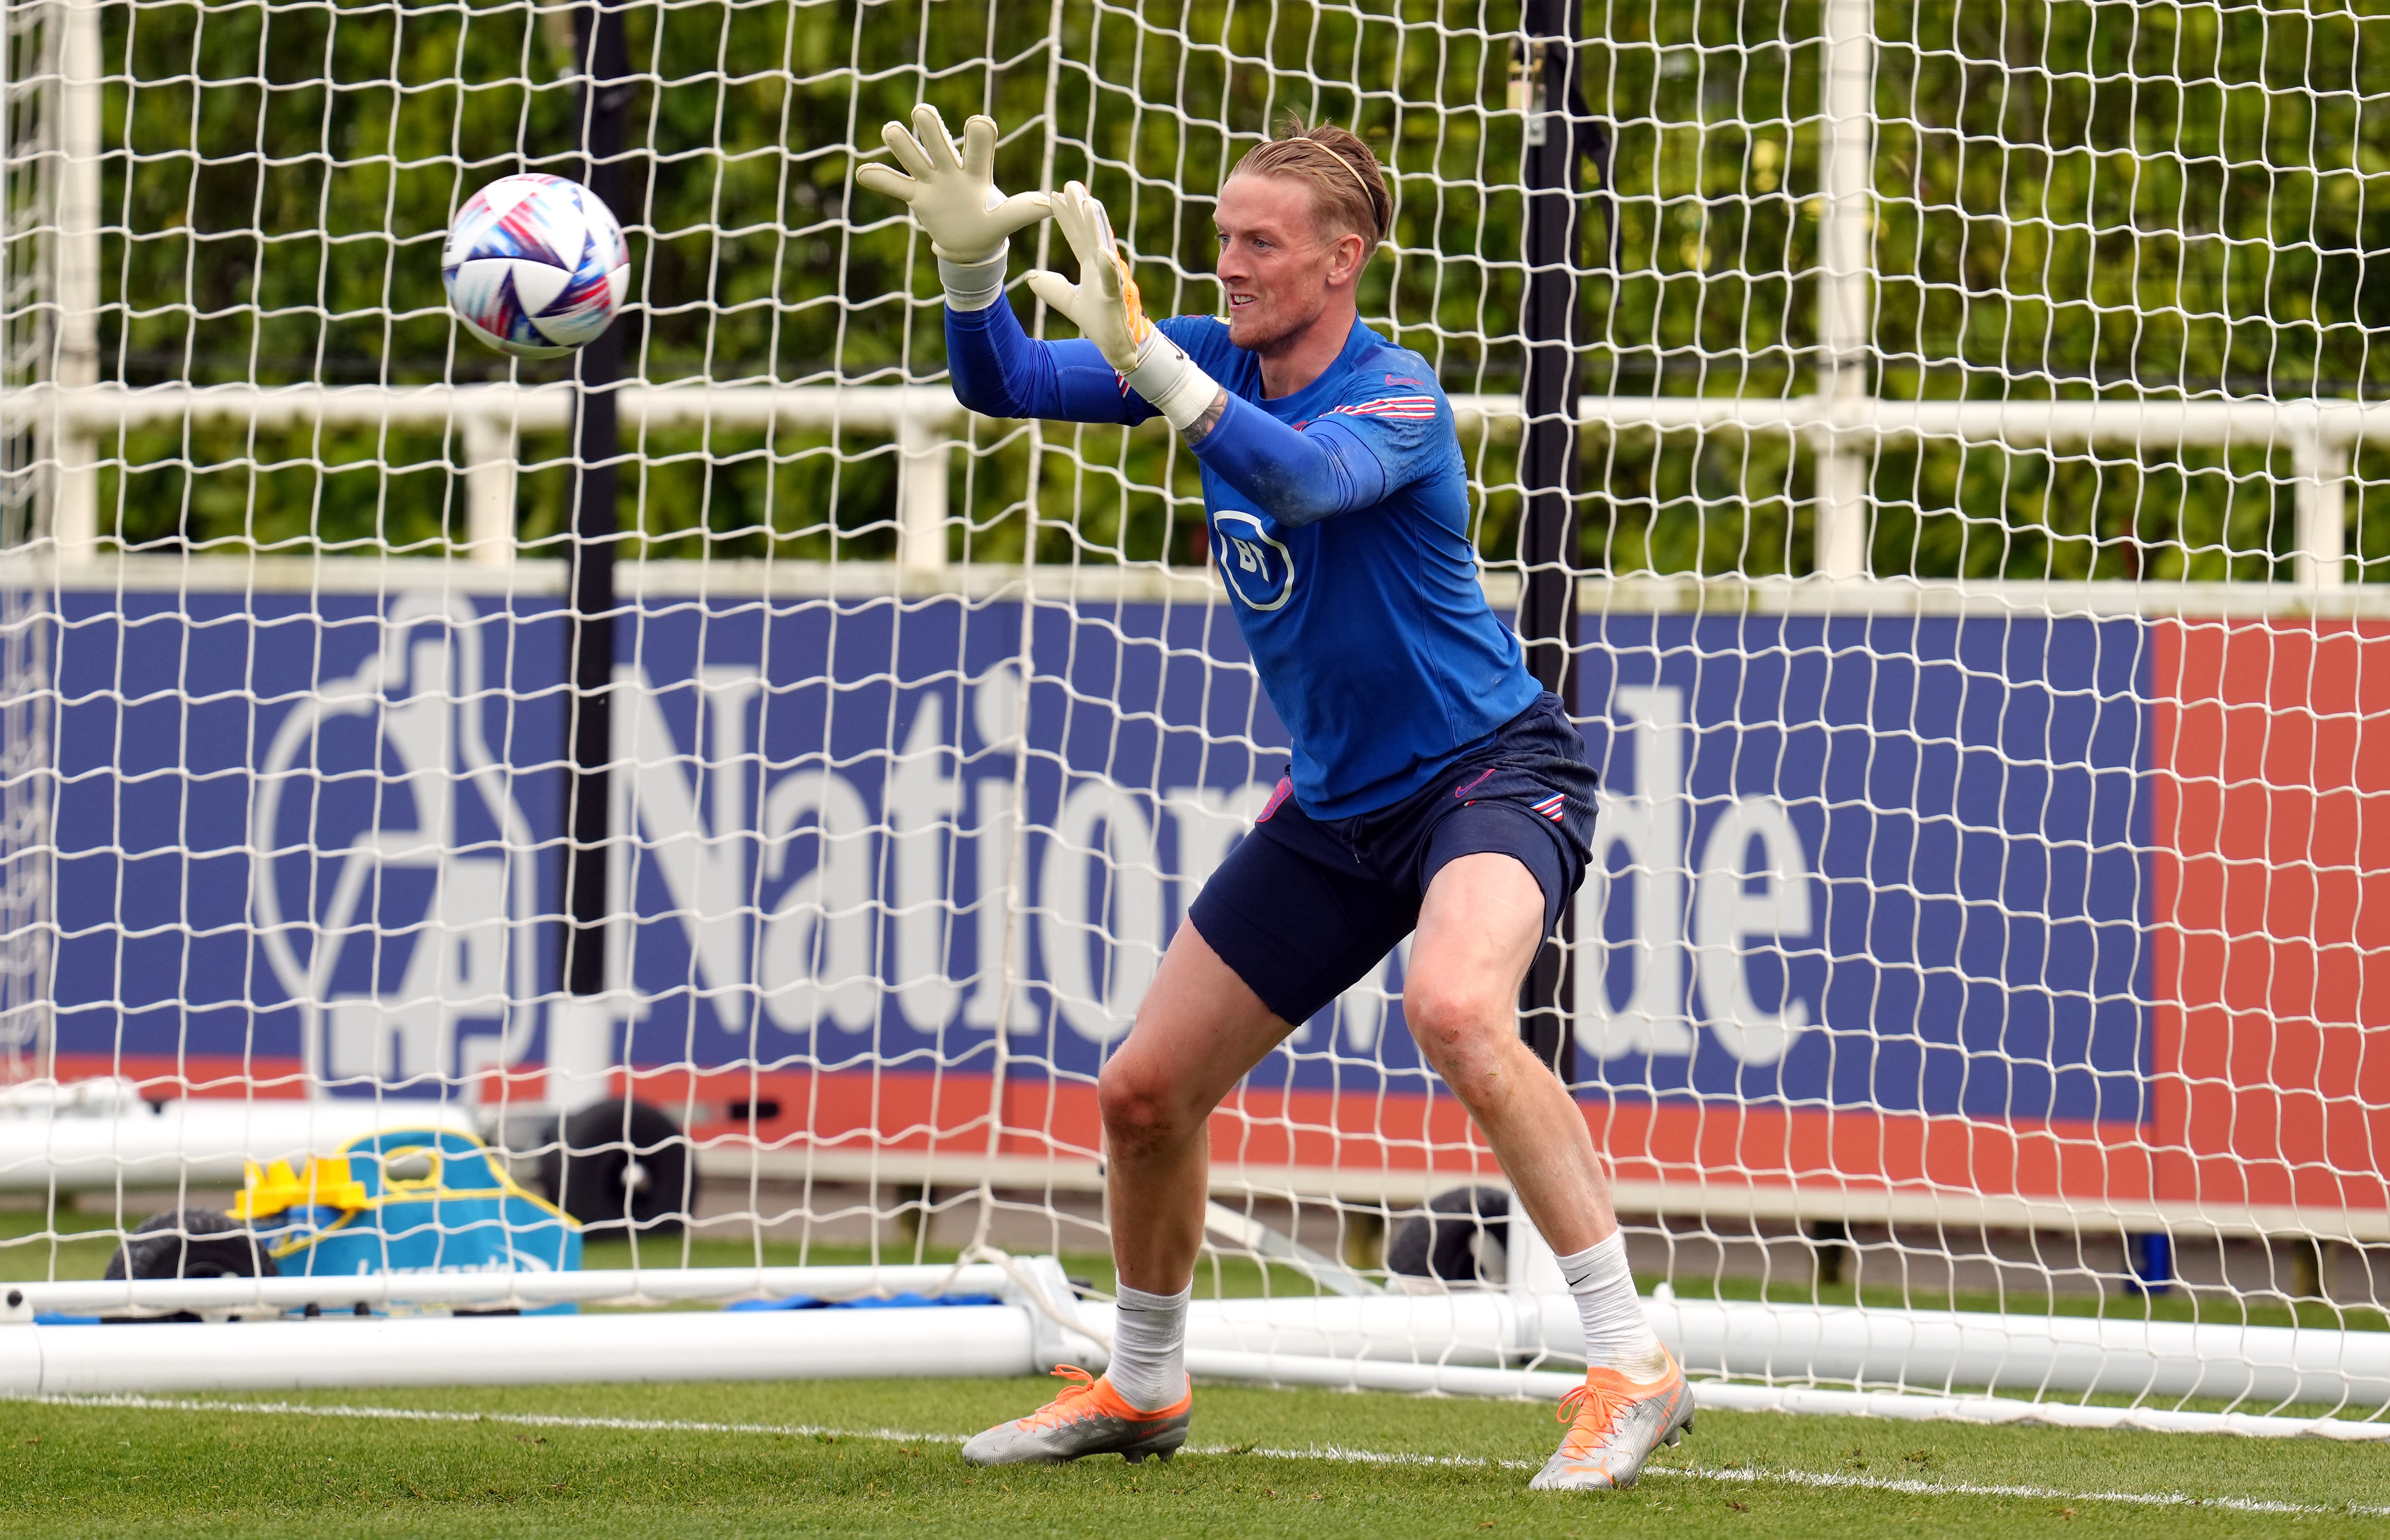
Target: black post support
{"points": [[1558, 128], [606, 90]]}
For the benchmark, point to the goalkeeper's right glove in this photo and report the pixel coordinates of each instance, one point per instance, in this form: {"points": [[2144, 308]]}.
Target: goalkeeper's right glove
{"points": [[954, 200], [1104, 305]]}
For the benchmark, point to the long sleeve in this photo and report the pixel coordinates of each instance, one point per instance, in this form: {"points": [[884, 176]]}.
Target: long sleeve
{"points": [[1296, 476], [1000, 371]]}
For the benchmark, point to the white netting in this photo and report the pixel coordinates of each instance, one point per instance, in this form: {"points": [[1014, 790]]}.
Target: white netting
{"points": [[1974, 641]]}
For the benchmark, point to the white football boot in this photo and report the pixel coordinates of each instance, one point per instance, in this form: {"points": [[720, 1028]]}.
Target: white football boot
{"points": [[1614, 1424], [1089, 1417]]}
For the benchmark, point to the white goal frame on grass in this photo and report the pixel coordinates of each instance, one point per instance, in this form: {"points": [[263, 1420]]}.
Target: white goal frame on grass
{"points": [[67, 414]]}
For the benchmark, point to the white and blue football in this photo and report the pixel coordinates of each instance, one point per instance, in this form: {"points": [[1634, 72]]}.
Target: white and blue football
{"points": [[535, 265]]}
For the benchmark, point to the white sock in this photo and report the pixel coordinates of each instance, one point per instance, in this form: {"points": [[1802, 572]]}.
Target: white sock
{"points": [[1148, 1365], [1617, 1333]]}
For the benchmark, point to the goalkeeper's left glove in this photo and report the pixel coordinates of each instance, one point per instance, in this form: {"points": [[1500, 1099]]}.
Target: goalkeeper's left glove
{"points": [[954, 200], [1103, 304]]}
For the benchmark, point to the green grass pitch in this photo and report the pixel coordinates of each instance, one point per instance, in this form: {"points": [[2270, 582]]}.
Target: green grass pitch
{"points": [[878, 1457]]}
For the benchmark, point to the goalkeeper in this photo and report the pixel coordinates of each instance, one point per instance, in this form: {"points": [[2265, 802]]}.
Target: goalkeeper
{"points": [[1434, 788]]}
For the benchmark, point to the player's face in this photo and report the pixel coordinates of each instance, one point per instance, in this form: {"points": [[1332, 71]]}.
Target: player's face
{"points": [[1273, 262]]}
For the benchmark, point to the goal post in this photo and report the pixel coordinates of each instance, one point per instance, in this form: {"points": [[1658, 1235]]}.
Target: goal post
{"points": [[1959, 545]]}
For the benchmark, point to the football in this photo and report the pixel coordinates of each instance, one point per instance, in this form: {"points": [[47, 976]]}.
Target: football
{"points": [[535, 265]]}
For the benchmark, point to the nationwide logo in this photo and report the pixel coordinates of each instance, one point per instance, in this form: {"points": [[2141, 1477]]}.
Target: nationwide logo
{"points": [[887, 889], [1750, 895], [394, 887]]}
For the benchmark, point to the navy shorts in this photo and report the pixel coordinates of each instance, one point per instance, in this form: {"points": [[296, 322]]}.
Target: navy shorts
{"points": [[1304, 906]]}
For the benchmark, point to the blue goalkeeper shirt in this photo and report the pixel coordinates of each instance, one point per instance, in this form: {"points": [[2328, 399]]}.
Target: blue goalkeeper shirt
{"points": [[1340, 524]]}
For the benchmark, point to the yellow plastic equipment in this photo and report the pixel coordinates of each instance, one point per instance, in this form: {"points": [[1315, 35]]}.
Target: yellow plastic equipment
{"points": [[325, 1183]]}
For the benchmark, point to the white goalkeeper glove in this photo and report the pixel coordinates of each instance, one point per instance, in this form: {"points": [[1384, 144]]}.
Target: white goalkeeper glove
{"points": [[1103, 304], [952, 192]]}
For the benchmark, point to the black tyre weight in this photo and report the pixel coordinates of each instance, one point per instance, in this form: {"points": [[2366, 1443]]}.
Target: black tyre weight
{"points": [[621, 1165], [1441, 1242], [188, 1243]]}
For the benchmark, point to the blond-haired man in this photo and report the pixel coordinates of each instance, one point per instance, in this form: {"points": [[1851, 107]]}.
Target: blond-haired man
{"points": [[1435, 790]]}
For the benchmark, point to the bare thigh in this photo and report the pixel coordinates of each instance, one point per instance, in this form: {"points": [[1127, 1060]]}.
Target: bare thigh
{"points": [[1478, 930], [1198, 1030]]}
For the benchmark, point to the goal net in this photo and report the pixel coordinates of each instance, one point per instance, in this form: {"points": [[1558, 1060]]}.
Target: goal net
{"points": [[1973, 417]]}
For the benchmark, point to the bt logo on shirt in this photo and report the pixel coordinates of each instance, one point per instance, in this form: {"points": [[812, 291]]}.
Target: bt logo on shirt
{"points": [[1257, 568]]}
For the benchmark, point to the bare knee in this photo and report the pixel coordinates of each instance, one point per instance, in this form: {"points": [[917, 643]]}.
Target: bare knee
{"points": [[1140, 1108], [1463, 1031]]}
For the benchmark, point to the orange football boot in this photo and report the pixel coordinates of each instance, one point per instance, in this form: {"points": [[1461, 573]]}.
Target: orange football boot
{"points": [[1614, 1424], [1087, 1419]]}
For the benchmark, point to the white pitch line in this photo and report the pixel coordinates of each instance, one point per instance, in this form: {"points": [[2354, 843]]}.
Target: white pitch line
{"points": [[1979, 1489], [1332, 1454], [526, 1419]]}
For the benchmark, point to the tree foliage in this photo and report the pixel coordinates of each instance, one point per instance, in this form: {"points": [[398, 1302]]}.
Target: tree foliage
{"points": [[2075, 199]]}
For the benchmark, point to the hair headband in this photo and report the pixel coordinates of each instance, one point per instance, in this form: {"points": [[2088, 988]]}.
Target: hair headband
{"points": [[1364, 181]]}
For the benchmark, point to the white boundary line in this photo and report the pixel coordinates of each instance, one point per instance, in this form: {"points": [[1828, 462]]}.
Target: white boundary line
{"points": [[1327, 1453]]}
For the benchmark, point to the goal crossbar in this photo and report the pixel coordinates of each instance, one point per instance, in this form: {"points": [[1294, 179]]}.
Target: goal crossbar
{"points": [[2317, 435]]}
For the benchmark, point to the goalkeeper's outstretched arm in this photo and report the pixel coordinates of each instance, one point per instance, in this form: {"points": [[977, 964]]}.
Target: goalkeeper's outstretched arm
{"points": [[1296, 476], [998, 370], [1001, 371]]}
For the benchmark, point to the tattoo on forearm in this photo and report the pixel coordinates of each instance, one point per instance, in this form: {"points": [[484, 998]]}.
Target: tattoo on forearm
{"points": [[1209, 418]]}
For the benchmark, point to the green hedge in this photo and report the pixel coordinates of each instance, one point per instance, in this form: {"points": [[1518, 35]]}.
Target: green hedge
{"points": [[2073, 200]]}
